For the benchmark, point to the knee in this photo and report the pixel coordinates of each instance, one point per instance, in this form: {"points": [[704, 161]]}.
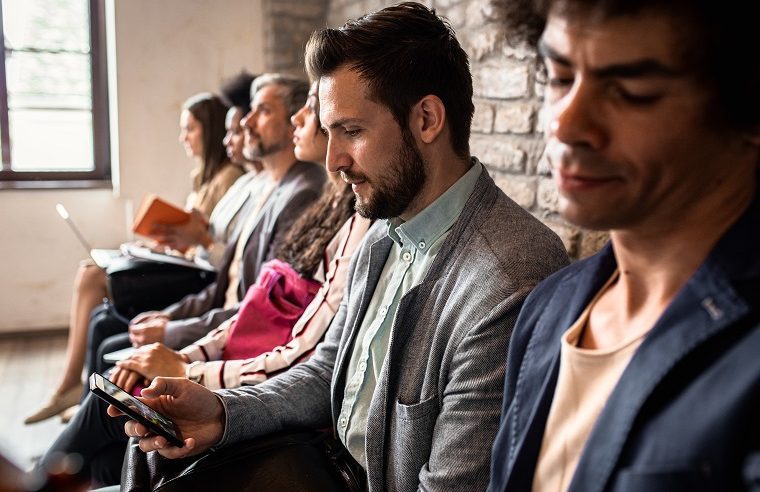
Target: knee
{"points": [[90, 279]]}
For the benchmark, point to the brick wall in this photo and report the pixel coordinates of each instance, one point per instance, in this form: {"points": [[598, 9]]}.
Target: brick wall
{"points": [[288, 24], [506, 128]]}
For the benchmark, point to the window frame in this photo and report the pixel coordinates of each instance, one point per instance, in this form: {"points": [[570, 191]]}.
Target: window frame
{"points": [[100, 177]]}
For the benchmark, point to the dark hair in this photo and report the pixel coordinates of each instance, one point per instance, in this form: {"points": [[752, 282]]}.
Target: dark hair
{"points": [[292, 90], [404, 53], [315, 107], [719, 42], [303, 247], [236, 90], [210, 112]]}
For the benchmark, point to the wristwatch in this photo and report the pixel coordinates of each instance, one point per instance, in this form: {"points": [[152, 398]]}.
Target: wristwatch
{"points": [[194, 372]]}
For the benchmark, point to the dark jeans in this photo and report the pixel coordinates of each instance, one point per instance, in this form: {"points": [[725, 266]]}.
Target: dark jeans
{"points": [[97, 438], [105, 322]]}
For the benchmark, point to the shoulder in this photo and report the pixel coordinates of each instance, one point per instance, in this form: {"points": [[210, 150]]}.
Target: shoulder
{"points": [[498, 232], [304, 174], [227, 175]]}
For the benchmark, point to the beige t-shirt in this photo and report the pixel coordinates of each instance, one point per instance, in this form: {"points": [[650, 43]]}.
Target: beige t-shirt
{"points": [[586, 379]]}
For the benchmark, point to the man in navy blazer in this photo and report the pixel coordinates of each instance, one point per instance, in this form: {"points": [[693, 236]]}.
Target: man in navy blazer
{"points": [[639, 368]]}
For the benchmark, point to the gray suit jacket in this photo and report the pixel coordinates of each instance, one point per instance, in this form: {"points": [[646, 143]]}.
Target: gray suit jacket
{"points": [[197, 314], [436, 407]]}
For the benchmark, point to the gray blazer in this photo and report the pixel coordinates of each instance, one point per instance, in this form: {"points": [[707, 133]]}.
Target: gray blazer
{"points": [[197, 314], [436, 407]]}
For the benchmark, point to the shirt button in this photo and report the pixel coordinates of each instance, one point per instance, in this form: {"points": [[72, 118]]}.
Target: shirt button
{"points": [[343, 422], [383, 311], [407, 256], [362, 366], [422, 245]]}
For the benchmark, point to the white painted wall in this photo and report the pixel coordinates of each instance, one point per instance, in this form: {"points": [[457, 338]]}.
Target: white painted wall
{"points": [[164, 51]]}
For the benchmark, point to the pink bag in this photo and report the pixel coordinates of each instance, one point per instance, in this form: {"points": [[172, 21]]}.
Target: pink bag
{"points": [[269, 310]]}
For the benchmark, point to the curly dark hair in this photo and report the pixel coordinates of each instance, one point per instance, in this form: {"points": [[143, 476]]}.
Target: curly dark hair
{"points": [[303, 247], [719, 41], [236, 91]]}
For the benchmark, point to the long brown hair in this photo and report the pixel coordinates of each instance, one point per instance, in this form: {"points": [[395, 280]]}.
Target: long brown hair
{"points": [[210, 112], [304, 246]]}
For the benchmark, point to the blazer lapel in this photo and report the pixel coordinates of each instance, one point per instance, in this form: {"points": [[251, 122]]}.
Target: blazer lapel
{"points": [[378, 254], [705, 306], [539, 384]]}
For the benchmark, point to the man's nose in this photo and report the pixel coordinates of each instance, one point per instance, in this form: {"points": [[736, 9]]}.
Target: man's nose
{"points": [[337, 158], [575, 118]]}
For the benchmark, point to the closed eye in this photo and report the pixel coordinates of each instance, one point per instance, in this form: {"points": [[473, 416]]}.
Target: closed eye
{"points": [[559, 82], [636, 99]]}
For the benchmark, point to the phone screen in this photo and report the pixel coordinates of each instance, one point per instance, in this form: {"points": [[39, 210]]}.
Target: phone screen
{"points": [[123, 399]]}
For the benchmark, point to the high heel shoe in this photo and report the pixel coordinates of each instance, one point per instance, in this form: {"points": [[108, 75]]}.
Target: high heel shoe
{"points": [[55, 405]]}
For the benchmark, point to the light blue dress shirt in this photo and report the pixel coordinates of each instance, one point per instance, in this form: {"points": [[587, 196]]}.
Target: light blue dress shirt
{"points": [[415, 245]]}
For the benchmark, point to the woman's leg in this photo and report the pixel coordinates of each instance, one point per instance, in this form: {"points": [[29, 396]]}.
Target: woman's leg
{"points": [[90, 287]]}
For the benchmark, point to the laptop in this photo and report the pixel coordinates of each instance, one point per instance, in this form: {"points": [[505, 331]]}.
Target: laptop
{"points": [[101, 257]]}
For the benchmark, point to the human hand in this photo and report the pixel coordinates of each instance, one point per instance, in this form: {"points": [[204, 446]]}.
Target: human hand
{"points": [[148, 331], [125, 379], [148, 315], [155, 360], [198, 413], [183, 236]]}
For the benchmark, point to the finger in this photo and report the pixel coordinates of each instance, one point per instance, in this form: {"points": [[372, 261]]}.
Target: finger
{"points": [[173, 452], [140, 317], [132, 379], [135, 429], [127, 364], [160, 444], [112, 411], [118, 378], [164, 386]]}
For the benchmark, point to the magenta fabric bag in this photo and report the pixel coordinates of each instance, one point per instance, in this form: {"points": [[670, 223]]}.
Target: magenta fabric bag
{"points": [[269, 310]]}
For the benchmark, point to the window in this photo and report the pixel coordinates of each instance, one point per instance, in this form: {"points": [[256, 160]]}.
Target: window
{"points": [[53, 94]]}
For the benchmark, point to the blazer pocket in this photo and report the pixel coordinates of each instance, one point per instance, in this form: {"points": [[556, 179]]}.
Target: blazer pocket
{"points": [[415, 411], [691, 480], [410, 439]]}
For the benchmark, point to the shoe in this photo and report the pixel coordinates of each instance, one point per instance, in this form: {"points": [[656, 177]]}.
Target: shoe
{"points": [[55, 405], [68, 414]]}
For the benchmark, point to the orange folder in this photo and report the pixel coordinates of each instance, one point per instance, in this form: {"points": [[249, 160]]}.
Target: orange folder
{"points": [[153, 210]]}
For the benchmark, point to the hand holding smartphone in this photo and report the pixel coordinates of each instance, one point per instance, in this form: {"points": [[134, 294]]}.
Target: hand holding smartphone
{"points": [[135, 409]]}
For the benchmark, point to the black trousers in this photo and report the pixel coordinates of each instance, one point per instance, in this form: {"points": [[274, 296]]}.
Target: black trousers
{"points": [[106, 325], [97, 438], [306, 461]]}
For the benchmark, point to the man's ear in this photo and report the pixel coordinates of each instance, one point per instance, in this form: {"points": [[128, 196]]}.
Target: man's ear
{"points": [[428, 118]]}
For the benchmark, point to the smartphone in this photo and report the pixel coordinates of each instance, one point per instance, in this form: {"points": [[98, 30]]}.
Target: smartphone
{"points": [[135, 409]]}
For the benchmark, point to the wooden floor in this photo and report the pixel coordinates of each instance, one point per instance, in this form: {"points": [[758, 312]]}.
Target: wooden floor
{"points": [[29, 369]]}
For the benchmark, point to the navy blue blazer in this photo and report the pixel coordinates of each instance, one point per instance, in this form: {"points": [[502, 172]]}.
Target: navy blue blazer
{"points": [[685, 414]]}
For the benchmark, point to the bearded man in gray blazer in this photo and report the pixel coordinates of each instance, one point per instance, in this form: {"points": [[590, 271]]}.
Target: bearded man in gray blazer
{"points": [[411, 372]]}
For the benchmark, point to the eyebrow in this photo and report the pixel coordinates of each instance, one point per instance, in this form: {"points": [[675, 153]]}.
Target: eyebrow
{"points": [[646, 67], [344, 122]]}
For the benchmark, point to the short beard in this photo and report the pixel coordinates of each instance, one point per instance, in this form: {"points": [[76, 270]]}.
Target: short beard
{"points": [[399, 186], [260, 150]]}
